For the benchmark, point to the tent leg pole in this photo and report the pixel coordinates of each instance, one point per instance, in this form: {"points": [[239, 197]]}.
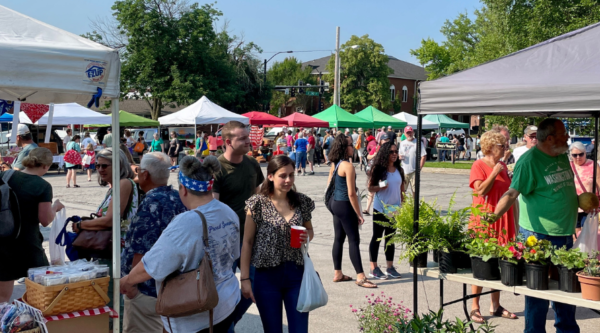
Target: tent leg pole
{"points": [[595, 152], [416, 213], [49, 124], [116, 213]]}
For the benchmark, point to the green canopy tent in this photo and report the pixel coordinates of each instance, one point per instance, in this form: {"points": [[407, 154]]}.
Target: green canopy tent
{"points": [[445, 122], [127, 119], [379, 118], [338, 117]]}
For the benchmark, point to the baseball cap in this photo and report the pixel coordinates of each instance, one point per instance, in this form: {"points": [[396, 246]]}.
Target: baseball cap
{"points": [[109, 129], [531, 129], [384, 137], [389, 127], [22, 129], [408, 129]]}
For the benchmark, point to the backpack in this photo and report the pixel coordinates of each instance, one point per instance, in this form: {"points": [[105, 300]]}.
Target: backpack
{"points": [[139, 147], [328, 197], [10, 217]]}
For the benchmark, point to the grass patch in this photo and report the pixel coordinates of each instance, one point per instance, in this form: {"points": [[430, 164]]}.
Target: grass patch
{"points": [[448, 165]]}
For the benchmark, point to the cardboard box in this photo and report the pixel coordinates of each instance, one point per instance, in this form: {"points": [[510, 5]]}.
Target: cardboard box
{"points": [[88, 324]]}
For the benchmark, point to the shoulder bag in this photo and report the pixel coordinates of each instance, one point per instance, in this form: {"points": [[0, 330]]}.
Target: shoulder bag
{"points": [[185, 294], [328, 197], [579, 180]]}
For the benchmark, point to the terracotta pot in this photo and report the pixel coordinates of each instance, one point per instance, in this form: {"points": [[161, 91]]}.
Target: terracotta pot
{"points": [[590, 287]]}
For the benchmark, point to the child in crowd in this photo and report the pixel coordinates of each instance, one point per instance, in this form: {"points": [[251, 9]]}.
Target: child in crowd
{"points": [[89, 151]]}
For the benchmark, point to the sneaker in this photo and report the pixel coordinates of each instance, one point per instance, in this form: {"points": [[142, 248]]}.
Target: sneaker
{"points": [[311, 173], [377, 274], [392, 273]]}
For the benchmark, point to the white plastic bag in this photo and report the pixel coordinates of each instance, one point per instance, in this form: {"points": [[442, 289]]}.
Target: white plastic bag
{"points": [[57, 252], [588, 238], [312, 294], [86, 160]]}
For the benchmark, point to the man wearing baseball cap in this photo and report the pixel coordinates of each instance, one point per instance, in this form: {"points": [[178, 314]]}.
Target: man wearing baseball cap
{"points": [[531, 140], [391, 134], [408, 155], [24, 141]]}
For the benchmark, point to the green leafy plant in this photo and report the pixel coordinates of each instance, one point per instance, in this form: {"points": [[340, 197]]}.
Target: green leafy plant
{"points": [[484, 240], [537, 251], [512, 251], [380, 314], [569, 258], [592, 266], [433, 322]]}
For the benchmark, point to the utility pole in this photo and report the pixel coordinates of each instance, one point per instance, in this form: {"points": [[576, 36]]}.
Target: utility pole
{"points": [[336, 99]]}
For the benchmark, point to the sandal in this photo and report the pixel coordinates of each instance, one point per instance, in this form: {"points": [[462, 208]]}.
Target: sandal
{"points": [[366, 213], [502, 312], [76, 186], [476, 316], [365, 283], [68, 186], [344, 278]]}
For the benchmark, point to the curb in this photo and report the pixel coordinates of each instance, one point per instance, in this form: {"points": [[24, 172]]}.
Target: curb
{"points": [[447, 171]]}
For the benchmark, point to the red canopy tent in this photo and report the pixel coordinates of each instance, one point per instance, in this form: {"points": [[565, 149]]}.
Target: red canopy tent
{"points": [[263, 118], [301, 120]]}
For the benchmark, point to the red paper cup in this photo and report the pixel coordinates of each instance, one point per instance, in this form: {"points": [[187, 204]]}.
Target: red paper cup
{"points": [[295, 239]]}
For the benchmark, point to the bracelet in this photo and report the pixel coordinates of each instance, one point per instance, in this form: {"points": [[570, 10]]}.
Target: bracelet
{"points": [[244, 279]]}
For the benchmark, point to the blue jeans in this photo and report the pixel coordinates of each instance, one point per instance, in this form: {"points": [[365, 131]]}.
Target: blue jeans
{"points": [[244, 303], [277, 285], [536, 309], [300, 159], [442, 154]]}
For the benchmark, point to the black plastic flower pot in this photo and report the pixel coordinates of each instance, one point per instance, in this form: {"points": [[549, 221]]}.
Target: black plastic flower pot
{"points": [[536, 276], [421, 260], [463, 260], [511, 274], [448, 262], [568, 280], [435, 255], [485, 270]]}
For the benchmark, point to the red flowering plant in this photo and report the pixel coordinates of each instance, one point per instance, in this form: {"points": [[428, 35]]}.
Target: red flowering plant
{"points": [[380, 314], [512, 251], [537, 251]]}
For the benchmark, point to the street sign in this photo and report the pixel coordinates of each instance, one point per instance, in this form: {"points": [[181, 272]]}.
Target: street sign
{"points": [[312, 93], [445, 145], [287, 91]]}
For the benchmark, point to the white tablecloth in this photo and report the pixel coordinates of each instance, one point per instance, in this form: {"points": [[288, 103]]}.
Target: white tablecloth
{"points": [[60, 160]]}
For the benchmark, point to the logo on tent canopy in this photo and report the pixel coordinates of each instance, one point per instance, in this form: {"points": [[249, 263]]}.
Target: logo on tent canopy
{"points": [[95, 72]]}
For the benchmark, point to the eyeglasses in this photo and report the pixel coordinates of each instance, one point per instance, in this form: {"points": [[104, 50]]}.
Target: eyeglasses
{"points": [[138, 170], [393, 152], [103, 166], [578, 155], [532, 137]]}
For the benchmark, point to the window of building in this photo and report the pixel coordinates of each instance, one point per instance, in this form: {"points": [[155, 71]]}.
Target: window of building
{"points": [[393, 92], [404, 94]]}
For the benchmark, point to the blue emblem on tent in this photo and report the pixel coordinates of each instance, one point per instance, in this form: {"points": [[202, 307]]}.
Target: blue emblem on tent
{"points": [[94, 71]]}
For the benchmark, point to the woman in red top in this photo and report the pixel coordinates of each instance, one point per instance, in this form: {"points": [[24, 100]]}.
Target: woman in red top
{"points": [[489, 181]]}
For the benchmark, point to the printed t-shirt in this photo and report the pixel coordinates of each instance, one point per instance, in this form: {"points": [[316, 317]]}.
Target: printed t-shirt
{"points": [[408, 150], [548, 201], [301, 144], [18, 163], [481, 171], [85, 142], [389, 195], [180, 248], [311, 142], [236, 183]]}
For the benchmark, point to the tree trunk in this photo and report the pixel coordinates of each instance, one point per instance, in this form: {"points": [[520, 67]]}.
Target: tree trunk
{"points": [[156, 108]]}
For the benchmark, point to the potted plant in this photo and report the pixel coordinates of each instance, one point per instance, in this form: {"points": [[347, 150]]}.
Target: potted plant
{"points": [[452, 239], [484, 250], [511, 263], [536, 254], [568, 262], [590, 278]]}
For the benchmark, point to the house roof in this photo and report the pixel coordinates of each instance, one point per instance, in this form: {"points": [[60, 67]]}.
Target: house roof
{"points": [[402, 69]]}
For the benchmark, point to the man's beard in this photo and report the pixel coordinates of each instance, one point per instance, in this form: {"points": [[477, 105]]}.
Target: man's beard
{"points": [[560, 149]]}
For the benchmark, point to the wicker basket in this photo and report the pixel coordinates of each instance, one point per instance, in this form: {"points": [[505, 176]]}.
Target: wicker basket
{"points": [[33, 330], [67, 298]]}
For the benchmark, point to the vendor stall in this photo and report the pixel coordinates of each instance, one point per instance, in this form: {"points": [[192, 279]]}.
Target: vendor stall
{"points": [[339, 118], [263, 118], [127, 119], [412, 121], [298, 119], [556, 78], [202, 112], [380, 119]]}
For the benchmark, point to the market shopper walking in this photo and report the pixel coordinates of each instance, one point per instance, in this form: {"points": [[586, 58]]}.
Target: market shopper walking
{"points": [[67, 139], [387, 184], [25, 142], [584, 176], [489, 180], [23, 250], [371, 159], [547, 210], [239, 178], [270, 216], [408, 156], [180, 248], [174, 149], [72, 168], [301, 145], [160, 205], [157, 144], [346, 211], [310, 151]]}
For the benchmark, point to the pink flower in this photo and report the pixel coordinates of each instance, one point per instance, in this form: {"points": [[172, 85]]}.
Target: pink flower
{"points": [[520, 246], [512, 249], [350, 305]]}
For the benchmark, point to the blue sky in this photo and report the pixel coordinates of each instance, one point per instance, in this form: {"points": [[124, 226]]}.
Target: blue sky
{"points": [[290, 25]]}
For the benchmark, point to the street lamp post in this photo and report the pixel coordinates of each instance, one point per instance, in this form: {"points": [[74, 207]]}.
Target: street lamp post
{"points": [[265, 75]]}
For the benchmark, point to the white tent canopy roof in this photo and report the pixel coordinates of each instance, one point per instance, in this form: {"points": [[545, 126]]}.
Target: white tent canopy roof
{"points": [[559, 77], [202, 112], [70, 113], [412, 121], [43, 64]]}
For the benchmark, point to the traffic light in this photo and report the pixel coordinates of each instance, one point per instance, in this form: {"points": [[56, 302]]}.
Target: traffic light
{"points": [[321, 106], [293, 92], [301, 90], [321, 89]]}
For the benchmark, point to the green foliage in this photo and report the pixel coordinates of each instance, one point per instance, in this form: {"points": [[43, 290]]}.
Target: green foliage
{"points": [[592, 267], [364, 75], [537, 250], [484, 240], [433, 322], [512, 251], [380, 314], [570, 258], [288, 73]]}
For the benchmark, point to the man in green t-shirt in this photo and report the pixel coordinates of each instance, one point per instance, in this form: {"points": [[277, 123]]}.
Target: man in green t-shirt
{"points": [[547, 210], [240, 178]]}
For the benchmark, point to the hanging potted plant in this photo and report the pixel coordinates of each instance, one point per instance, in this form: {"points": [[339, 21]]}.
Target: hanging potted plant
{"points": [[511, 263], [536, 254], [590, 278], [568, 262]]}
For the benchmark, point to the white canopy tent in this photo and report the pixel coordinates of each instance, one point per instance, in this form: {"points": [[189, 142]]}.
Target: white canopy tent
{"points": [[70, 113], [559, 77], [412, 121], [43, 64], [202, 112]]}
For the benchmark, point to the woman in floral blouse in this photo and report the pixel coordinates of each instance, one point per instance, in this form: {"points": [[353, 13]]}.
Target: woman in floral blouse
{"points": [[279, 267]]}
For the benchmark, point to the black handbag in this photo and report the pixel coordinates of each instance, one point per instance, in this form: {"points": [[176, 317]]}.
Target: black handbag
{"points": [[328, 197]]}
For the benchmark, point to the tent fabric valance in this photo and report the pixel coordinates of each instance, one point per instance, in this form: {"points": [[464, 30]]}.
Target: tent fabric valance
{"points": [[338, 117], [412, 121], [559, 77], [380, 119], [263, 118], [69, 113], [297, 119], [444, 121], [201, 112], [127, 119]]}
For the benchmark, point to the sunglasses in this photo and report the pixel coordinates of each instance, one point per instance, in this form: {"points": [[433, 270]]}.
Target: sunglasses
{"points": [[578, 155], [103, 166], [138, 170], [393, 152]]}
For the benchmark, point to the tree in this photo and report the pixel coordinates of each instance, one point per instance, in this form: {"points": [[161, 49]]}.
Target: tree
{"points": [[288, 73], [364, 74]]}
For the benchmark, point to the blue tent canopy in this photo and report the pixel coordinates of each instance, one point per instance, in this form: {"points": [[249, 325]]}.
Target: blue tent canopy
{"points": [[5, 118]]}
